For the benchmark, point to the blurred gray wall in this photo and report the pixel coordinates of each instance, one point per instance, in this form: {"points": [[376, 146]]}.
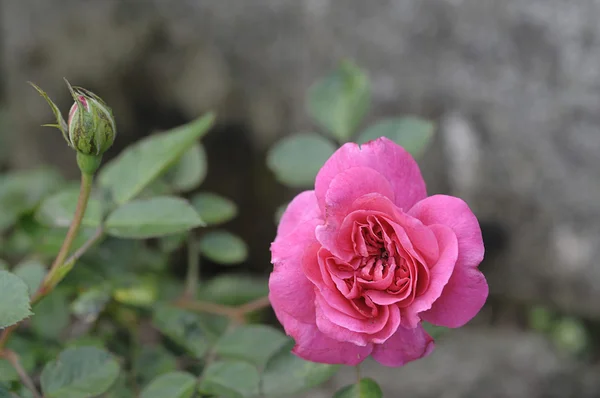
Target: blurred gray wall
{"points": [[513, 84]]}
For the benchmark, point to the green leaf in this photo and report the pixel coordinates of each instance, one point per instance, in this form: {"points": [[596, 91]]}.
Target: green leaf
{"points": [[120, 389], [170, 243], [90, 303], [3, 265], [14, 299], [24, 393], [86, 341], [297, 159], [171, 385], [156, 188], [214, 209], [51, 315], [223, 247], [79, 373], [286, 374], [58, 209], [412, 133], [147, 218], [140, 164], [21, 192], [339, 101], [7, 372], [230, 379], [32, 272], [435, 331], [190, 170], [366, 388], [139, 291], [233, 289], [186, 329], [4, 393], [153, 361], [252, 343], [49, 240], [31, 237]]}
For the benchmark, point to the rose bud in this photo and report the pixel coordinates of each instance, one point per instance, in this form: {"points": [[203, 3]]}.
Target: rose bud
{"points": [[91, 125], [90, 129]]}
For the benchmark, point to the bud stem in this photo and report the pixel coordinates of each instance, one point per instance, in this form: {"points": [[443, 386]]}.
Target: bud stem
{"points": [[57, 273], [59, 268]]}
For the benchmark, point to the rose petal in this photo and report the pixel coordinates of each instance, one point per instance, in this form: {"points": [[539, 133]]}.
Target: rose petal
{"points": [[390, 328], [338, 238], [301, 209], [420, 236], [335, 300], [439, 274], [313, 345], [338, 332], [327, 307], [349, 318], [383, 156], [467, 289], [404, 346], [289, 288], [360, 331], [349, 185]]}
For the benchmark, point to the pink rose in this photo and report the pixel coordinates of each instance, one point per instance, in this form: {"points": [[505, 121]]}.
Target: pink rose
{"points": [[362, 259]]}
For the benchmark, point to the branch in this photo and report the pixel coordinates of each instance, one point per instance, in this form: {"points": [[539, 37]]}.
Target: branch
{"points": [[13, 358], [234, 313]]}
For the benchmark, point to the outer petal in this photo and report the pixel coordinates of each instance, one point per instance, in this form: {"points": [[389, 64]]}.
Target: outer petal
{"points": [[301, 209], [290, 290], [440, 273], [404, 346], [382, 155], [313, 345], [467, 289]]}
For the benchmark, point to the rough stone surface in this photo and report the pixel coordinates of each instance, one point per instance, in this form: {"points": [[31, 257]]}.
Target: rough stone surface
{"points": [[513, 84], [479, 363]]}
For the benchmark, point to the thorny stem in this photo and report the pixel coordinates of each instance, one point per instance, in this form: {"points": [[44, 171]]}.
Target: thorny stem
{"points": [[60, 268], [236, 314], [13, 358]]}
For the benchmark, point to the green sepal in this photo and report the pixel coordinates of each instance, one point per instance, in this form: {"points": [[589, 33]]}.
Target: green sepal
{"points": [[61, 124]]}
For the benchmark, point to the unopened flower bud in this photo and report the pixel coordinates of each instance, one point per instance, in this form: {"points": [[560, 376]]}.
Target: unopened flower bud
{"points": [[91, 125], [90, 128]]}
